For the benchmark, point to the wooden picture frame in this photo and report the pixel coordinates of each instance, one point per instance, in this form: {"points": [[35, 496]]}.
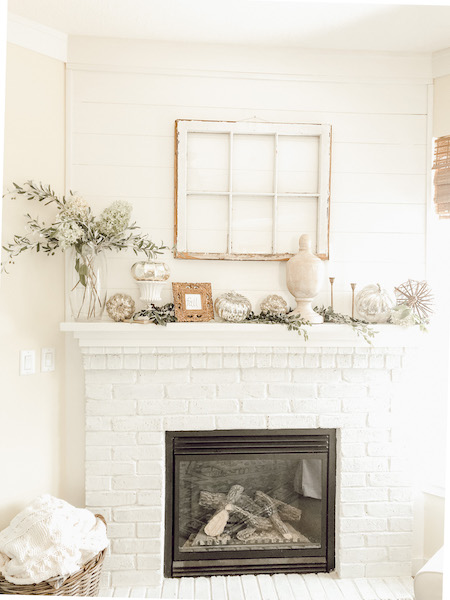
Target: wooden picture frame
{"points": [[247, 191], [193, 302]]}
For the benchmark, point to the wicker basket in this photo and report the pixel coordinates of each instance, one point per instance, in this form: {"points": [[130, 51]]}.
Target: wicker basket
{"points": [[85, 582]]}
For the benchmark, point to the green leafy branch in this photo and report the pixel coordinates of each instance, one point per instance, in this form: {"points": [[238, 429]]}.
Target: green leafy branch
{"points": [[361, 328], [159, 315], [292, 322]]}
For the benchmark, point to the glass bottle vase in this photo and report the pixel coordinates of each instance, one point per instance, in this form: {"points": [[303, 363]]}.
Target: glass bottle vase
{"points": [[87, 284]]}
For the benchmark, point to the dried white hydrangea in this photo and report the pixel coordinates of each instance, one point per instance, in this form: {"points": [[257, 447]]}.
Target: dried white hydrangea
{"points": [[69, 233], [402, 315], [114, 219], [76, 208]]}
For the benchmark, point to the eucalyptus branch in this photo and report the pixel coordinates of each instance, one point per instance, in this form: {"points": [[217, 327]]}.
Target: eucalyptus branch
{"points": [[292, 322], [159, 315], [362, 328]]}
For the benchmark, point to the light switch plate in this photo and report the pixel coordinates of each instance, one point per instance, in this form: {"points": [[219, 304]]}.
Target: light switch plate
{"points": [[27, 362], [47, 360]]}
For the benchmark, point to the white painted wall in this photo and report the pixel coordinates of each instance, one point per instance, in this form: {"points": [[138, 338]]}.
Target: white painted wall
{"points": [[125, 96], [32, 295]]}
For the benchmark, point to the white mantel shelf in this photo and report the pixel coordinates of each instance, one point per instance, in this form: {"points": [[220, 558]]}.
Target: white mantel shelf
{"points": [[107, 333]]}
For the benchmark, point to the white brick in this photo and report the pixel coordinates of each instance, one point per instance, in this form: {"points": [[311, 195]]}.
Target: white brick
{"points": [[150, 467], [365, 435], [344, 361], [102, 467], [351, 540], [367, 494], [187, 422], [389, 539], [360, 361], [388, 479], [386, 449], [363, 555], [389, 569], [393, 361], [352, 510], [187, 391], [376, 361], [98, 423], [99, 391], [198, 361], [327, 361], [352, 571], [131, 350], [108, 377], [380, 389], [365, 405], [362, 524], [162, 407], [133, 514], [215, 376], [400, 524], [365, 375], [96, 361], [342, 420], [136, 482], [117, 562], [164, 362], [150, 498], [96, 483], [292, 421], [214, 349], [121, 530], [400, 494], [241, 391], [202, 406], [149, 530], [149, 436], [121, 579], [114, 361], [316, 375], [265, 405], [133, 546], [279, 361], [316, 405], [161, 376], [389, 509], [263, 361], [353, 479], [97, 453], [150, 561], [240, 422], [181, 361], [108, 499], [113, 407], [197, 349], [365, 464], [230, 361], [135, 424], [311, 361], [296, 361], [131, 361], [265, 375], [292, 390], [214, 361], [113, 438], [353, 450], [342, 390], [400, 554], [138, 391], [149, 362]]}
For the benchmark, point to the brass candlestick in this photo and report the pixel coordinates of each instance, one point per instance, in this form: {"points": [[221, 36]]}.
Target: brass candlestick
{"points": [[353, 286], [331, 283]]}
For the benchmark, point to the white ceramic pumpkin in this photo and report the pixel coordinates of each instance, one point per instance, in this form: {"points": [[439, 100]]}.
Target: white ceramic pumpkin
{"points": [[373, 304]]}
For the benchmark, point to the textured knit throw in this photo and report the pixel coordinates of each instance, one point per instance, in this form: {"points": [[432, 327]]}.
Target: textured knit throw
{"points": [[50, 538]]}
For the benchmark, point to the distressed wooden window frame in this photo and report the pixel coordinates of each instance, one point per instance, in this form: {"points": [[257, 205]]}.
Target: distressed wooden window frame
{"points": [[323, 132]]}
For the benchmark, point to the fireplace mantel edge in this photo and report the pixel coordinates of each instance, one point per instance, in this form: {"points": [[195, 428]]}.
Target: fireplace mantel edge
{"points": [[215, 334]]}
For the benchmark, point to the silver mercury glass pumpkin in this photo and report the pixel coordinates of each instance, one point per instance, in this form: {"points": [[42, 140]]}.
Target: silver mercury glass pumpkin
{"points": [[120, 307], [233, 307], [274, 305]]}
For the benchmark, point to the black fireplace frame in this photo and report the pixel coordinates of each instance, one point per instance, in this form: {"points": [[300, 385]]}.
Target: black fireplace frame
{"points": [[320, 442]]}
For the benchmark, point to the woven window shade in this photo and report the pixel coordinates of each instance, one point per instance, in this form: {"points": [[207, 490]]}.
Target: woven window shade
{"points": [[441, 168]]}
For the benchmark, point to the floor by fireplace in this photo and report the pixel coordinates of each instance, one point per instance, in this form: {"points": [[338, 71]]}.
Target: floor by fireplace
{"points": [[250, 501]]}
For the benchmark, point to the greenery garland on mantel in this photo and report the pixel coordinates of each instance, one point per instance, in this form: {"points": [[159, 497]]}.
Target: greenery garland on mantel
{"points": [[161, 315]]}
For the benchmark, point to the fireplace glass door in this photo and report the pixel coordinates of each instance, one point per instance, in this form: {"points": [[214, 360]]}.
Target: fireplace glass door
{"points": [[250, 502]]}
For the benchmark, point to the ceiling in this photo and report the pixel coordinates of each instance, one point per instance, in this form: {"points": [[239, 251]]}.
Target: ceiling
{"points": [[379, 26]]}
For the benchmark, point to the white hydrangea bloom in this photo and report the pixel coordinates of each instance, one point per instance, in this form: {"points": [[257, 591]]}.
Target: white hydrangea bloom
{"points": [[76, 208], [402, 315], [69, 233], [114, 219]]}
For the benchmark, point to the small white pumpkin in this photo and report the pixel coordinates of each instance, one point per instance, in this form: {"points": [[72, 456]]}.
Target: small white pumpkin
{"points": [[374, 304]]}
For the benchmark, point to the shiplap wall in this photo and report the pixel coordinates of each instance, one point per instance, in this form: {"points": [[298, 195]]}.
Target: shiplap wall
{"points": [[124, 96]]}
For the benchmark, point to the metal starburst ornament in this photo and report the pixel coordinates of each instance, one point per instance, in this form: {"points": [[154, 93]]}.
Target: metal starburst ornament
{"points": [[418, 296]]}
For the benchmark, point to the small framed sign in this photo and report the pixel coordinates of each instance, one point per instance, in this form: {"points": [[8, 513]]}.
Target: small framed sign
{"points": [[193, 301]]}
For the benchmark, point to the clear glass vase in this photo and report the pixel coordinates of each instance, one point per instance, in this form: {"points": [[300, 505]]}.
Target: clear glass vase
{"points": [[87, 284]]}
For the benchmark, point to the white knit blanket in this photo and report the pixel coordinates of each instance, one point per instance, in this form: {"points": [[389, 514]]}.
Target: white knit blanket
{"points": [[50, 538]]}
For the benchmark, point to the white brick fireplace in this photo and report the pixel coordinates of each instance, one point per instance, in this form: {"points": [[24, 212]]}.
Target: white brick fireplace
{"points": [[143, 380]]}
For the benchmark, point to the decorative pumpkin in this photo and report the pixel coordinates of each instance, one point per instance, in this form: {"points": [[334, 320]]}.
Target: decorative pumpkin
{"points": [[374, 304], [233, 307], [274, 305], [120, 307]]}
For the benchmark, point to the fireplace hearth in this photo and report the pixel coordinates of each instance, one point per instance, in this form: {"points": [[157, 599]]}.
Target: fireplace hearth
{"points": [[250, 501]]}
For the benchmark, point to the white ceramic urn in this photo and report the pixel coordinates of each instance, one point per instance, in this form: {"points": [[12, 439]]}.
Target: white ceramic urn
{"points": [[304, 276]]}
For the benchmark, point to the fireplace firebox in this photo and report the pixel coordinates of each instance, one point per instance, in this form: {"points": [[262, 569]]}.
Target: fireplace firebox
{"points": [[250, 501]]}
